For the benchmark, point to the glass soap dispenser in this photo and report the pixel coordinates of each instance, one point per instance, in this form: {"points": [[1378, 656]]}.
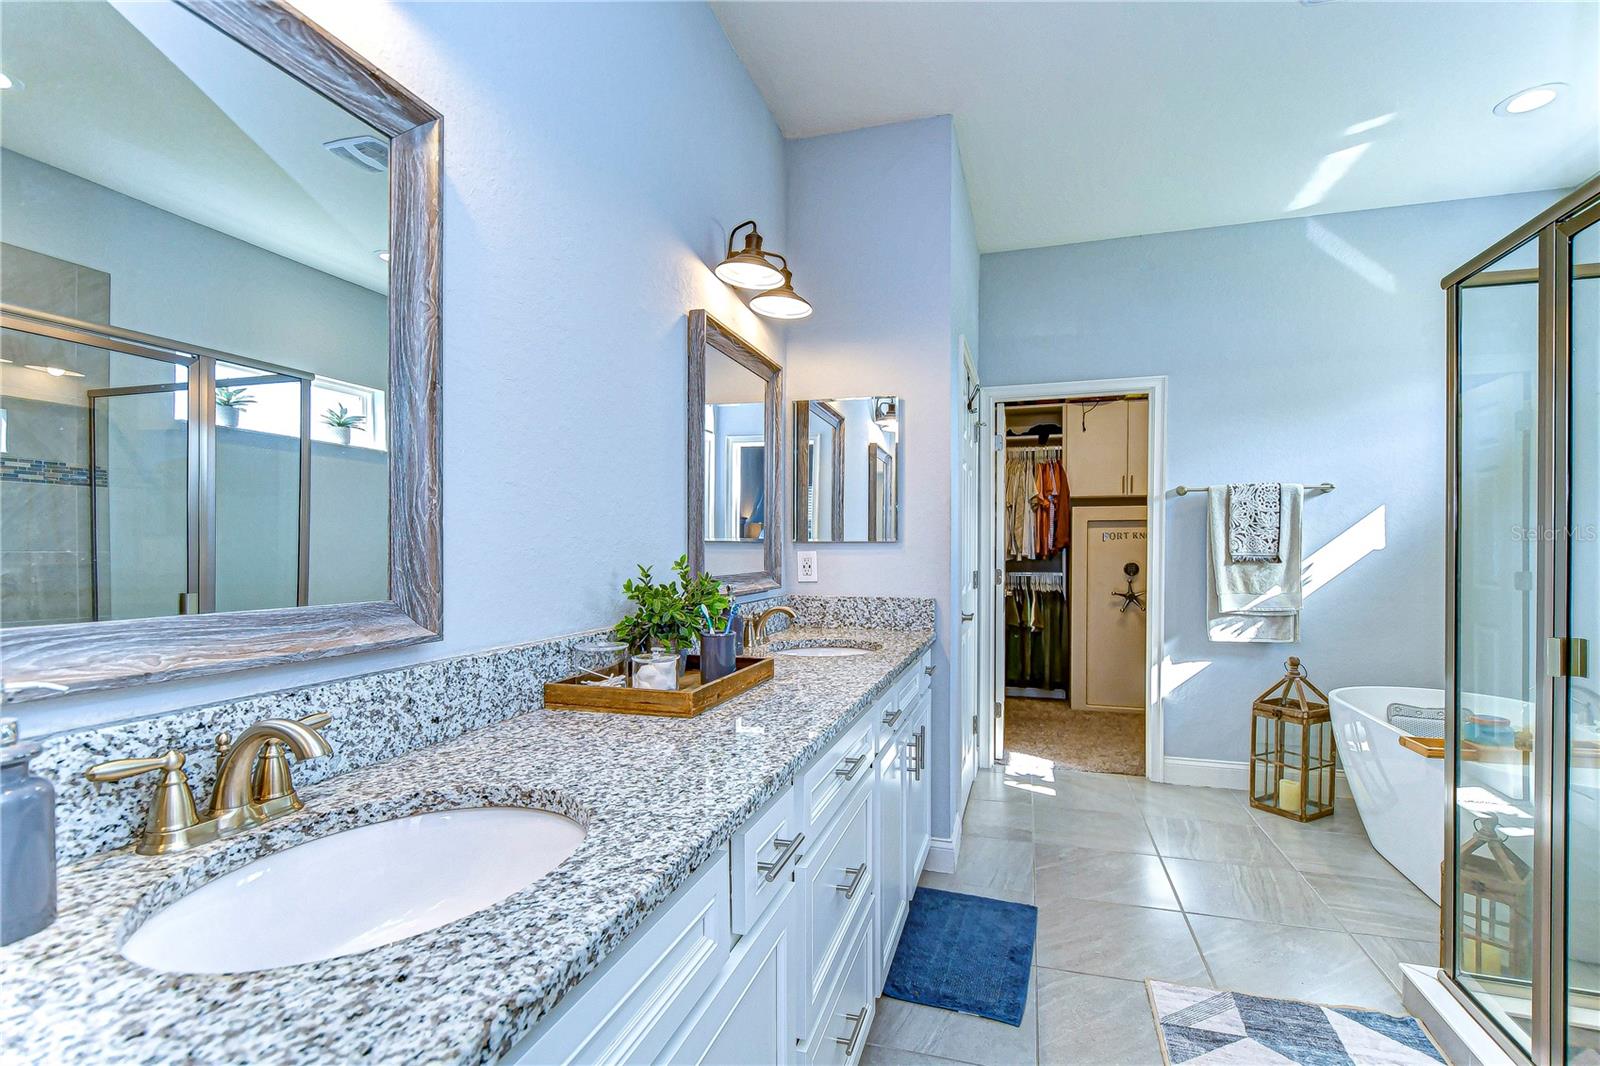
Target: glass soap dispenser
{"points": [[27, 841]]}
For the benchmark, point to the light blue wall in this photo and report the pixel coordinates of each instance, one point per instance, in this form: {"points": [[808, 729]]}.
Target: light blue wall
{"points": [[595, 158], [1303, 350], [870, 214]]}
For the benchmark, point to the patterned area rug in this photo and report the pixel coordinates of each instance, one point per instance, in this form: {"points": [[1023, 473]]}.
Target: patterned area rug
{"points": [[1202, 1025], [1106, 742]]}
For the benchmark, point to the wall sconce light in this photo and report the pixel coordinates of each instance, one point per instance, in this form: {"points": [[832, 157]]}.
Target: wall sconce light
{"points": [[885, 415], [753, 268], [783, 301], [749, 268]]}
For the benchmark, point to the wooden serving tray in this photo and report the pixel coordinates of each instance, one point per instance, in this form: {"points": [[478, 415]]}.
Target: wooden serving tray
{"points": [[691, 698]]}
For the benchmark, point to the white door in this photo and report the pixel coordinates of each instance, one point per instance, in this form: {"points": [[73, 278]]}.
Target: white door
{"points": [[995, 565], [968, 682], [1096, 436]]}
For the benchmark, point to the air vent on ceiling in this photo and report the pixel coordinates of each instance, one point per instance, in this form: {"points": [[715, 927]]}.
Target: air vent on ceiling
{"points": [[365, 151]]}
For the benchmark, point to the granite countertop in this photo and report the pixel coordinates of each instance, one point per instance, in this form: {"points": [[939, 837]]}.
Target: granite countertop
{"points": [[657, 796]]}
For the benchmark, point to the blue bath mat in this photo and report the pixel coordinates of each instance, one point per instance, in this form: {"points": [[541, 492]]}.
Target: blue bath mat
{"points": [[1200, 1025], [965, 953]]}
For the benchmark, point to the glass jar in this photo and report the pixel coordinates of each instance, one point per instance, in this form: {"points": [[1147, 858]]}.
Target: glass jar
{"points": [[657, 669]]}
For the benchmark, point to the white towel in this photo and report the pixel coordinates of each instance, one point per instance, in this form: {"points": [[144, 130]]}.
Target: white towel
{"points": [[1253, 602]]}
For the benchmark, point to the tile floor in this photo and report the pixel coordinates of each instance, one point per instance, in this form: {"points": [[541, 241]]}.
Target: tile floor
{"points": [[1136, 880]]}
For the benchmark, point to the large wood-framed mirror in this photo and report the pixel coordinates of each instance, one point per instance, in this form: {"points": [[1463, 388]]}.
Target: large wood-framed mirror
{"points": [[735, 459], [220, 343]]}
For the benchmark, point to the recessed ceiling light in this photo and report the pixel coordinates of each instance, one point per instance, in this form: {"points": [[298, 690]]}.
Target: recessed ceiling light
{"points": [[1531, 99], [382, 253], [54, 371], [8, 83]]}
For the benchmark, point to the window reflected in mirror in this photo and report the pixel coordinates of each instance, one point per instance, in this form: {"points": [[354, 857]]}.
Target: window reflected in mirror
{"points": [[195, 348]]}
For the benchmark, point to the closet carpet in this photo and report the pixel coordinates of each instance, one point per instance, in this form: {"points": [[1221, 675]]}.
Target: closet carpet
{"points": [[1106, 742]]}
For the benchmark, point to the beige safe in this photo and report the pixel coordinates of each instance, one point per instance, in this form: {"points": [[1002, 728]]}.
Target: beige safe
{"points": [[1108, 638]]}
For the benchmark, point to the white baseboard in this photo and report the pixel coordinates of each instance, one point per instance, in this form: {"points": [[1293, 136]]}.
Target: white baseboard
{"points": [[944, 851], [1206, 773], [1223, 773]]}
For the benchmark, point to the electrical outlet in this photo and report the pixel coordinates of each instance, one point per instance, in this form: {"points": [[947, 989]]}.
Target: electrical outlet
{"points": [[806, 562]]}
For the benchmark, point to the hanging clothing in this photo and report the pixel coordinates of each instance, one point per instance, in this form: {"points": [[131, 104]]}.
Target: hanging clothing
{"points": [[1036, 638], [1038, 504]]}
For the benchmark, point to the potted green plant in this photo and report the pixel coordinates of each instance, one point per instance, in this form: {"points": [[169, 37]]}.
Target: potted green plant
{"points": [[342, 422], [661, 618], [230, 401]]}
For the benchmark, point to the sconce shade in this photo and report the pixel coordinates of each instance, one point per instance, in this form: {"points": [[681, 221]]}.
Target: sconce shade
{"points": [[885, 415], [781, 302], [748, 268]]}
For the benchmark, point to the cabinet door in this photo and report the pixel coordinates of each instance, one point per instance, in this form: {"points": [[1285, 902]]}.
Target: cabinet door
{"points": [[748, 1018], [889, 818], [919, 794], [1096, 438], [1138, 447]]}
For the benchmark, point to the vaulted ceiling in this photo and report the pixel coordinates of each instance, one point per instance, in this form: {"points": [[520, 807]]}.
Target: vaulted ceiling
{"points": [[1085, 121]]}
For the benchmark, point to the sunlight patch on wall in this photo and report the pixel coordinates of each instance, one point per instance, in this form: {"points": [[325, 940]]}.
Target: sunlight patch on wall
{"points": [[1175, 675], [1349, 256], [1344, 551]]}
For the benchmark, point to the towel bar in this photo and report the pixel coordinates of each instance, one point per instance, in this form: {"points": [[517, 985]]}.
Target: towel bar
{"points": [[1184, 490]]}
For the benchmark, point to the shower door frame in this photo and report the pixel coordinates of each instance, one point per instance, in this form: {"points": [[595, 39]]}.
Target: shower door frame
{"points": [[202, 438], [1553, 230]]}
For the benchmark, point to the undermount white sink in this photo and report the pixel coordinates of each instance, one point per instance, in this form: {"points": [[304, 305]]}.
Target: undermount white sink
{"points": [[829, 651], [354, 891]]}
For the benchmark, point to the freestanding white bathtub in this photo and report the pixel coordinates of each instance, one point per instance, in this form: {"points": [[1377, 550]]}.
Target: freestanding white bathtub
{"points": [[1399, 793]]}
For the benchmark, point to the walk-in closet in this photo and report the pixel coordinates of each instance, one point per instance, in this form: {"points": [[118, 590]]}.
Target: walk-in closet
{"points": [[1073, 536]]}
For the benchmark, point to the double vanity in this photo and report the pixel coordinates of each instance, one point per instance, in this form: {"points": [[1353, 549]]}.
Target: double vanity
{"points": [[559, 887]]}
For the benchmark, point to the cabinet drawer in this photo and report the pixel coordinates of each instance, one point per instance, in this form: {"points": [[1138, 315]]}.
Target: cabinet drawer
{"points": [[886, 717], [828, 781], [764, 853], [627, 1010], [840, 1036], [922, 673], [838, 884]]}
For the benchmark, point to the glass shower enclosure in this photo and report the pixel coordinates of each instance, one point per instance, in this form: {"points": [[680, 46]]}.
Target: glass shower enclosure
{"points": [[1521, 944]]}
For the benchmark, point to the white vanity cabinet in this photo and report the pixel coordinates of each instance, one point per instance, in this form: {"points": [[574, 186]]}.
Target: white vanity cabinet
{"points": [[776, 949]]}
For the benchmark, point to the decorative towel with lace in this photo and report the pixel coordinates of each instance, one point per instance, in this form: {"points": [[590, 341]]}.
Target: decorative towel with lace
{"points": [[1255, 519]]}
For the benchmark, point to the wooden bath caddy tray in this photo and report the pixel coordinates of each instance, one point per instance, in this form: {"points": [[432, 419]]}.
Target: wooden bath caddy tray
{"points": [[691, 698]]}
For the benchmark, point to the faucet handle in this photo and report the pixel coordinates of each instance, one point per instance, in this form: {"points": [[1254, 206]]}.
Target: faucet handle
{"points": [[172, 822], [318, 720], [121, 769], [271, 780]]}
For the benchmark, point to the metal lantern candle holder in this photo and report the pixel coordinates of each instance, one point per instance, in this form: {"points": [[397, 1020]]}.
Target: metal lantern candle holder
{"points": [[1495, 906], [1292, 757]]}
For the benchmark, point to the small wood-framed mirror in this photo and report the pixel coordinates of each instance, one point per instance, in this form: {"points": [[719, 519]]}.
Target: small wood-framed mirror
{"points": [[221, 407], [735, 454]]}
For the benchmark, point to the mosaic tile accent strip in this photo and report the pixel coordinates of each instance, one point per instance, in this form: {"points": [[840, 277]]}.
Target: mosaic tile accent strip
{"points": [[49, 472]]}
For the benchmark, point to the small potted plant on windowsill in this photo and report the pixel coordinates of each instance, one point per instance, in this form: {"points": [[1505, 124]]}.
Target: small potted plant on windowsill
{"points": [[231, 401], [342, 422]]}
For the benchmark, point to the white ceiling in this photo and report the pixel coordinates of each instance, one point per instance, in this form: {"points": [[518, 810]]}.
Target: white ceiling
{"points": [[1085, 121], [150, 101]]}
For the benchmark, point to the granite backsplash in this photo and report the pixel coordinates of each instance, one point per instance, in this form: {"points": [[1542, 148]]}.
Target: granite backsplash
{"points": [[377, 717]]}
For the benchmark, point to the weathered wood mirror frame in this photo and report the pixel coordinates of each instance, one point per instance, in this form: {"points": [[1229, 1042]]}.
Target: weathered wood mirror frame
{"points": [[41, 661], [827, 414], [706, 331]]}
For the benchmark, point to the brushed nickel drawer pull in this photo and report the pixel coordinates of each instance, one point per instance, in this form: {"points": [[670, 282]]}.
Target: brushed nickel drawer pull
{"points": [[857, 874], [928, 669], [858, 1019], [891, 718], [772, 867], [847, 767]]}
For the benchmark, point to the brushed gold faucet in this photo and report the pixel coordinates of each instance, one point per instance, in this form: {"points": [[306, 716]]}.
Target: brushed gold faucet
{"points": [[755, 629], [253, 783]]}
